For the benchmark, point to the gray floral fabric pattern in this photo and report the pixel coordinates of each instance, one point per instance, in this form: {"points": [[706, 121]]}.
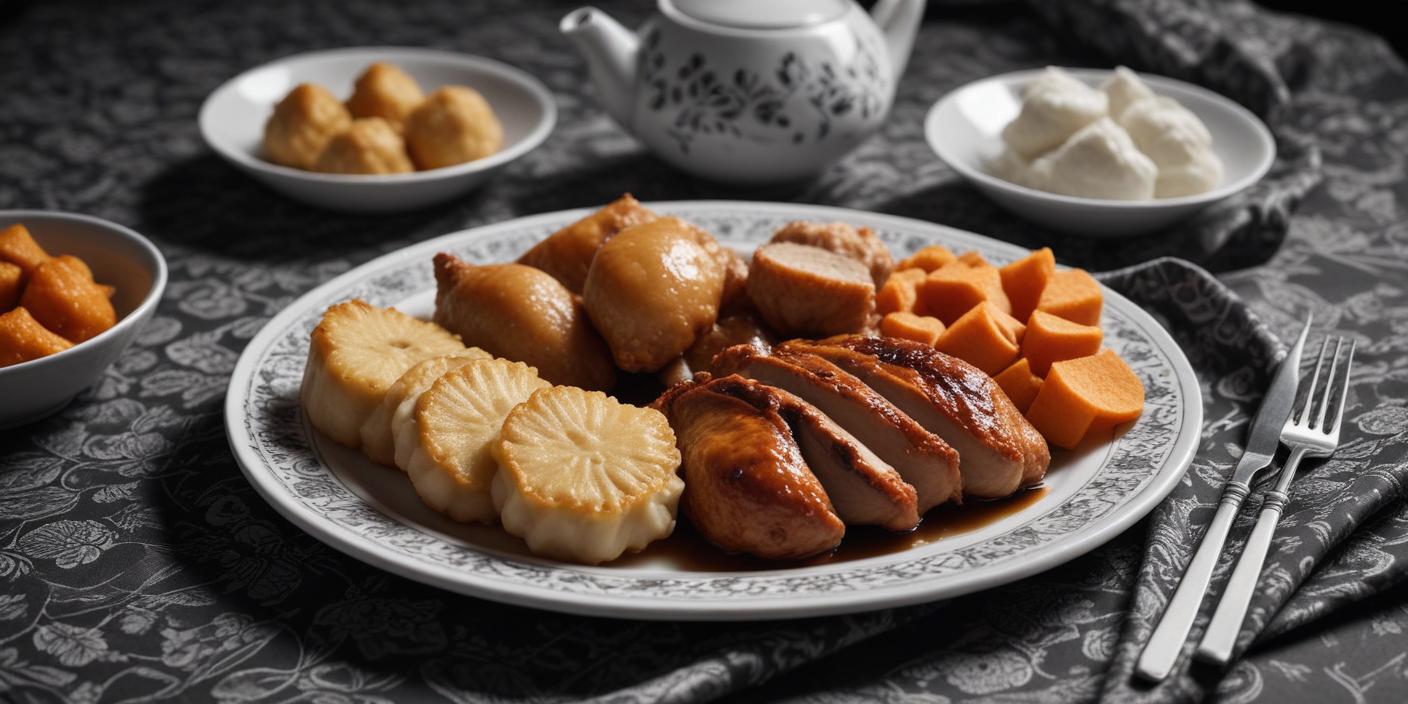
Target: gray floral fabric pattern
{"points": [[136, 563]]}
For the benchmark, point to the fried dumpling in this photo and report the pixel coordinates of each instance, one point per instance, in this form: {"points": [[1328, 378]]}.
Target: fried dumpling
{"points": [[567, 254], [385, 91], [522, 314], [368, 146]]}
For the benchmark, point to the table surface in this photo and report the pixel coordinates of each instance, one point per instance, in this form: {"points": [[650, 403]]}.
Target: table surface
{"points": [[135, 560]]}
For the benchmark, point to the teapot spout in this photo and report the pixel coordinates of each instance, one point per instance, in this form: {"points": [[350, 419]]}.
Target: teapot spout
{"points": [[899, 22], [610, 50]]}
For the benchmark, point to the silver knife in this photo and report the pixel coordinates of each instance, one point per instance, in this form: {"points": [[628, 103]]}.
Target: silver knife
{"points": [[1168, 638]]}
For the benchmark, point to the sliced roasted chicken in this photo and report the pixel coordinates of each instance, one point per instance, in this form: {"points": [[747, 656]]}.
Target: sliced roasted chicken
{"points": [[864, 489], [567, 253], [1001, 451], [923, 459], [860, 244], [804, 290], [747, 487]]}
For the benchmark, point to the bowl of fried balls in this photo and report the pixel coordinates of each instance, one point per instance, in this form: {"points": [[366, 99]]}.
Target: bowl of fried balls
{"points": [[376, 129], [75, 291]]}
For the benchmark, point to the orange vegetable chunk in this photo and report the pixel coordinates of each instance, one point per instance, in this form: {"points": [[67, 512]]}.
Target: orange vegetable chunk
{"points": [[925, 329], [984, 337], [953, 290], [1019, 383], [18, 247], [1024, 279], [929, 258], [972, 258], [66, 301], [900, 292], [1051, 339], [11, 283], [1072, 294], [1086, 396], [22, 338]]}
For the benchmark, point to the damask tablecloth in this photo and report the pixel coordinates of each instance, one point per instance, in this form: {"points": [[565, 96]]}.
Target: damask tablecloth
{"points": [[136, 563]]}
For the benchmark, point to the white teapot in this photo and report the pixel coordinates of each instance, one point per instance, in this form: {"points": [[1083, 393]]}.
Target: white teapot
{"points": [[749, 92]]}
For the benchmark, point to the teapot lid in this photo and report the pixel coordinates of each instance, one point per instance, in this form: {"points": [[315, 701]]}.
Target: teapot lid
{"points": [[760, 14]]}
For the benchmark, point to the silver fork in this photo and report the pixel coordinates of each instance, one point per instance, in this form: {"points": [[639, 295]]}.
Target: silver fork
{"points": [[1304, 437]]}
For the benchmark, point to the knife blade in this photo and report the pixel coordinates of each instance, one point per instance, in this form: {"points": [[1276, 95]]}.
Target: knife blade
{"points": [[1265, 432]]}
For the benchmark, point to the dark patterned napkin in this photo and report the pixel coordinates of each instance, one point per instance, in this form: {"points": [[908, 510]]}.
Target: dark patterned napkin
{"points": [[137, 563]]}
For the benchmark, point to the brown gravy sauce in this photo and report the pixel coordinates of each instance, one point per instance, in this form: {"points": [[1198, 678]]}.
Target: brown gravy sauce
{"points": [[686, 549]]}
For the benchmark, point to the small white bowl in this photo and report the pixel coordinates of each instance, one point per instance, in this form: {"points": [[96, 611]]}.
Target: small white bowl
{"points": [[119, 258], [964, 128], [232, 123]]}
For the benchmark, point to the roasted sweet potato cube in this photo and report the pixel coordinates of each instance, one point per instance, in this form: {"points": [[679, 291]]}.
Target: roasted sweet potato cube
{"points": [[951, 291], [900, 292], [18, 247], [1019, 383], [1051, 339], [929, 258], [1085, 396], [1072, 294], [1024, 279], [11, 283], [984, 337], [66, 301], [22, 338], [972, 258], [924, 329]]}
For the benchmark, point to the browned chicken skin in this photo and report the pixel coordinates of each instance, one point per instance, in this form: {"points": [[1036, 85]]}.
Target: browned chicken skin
{"points": [[923, 459], [651, 291], [1001, 451], [860, 244], [864, 489], [567, 253], [747, 488], [521, 314]]}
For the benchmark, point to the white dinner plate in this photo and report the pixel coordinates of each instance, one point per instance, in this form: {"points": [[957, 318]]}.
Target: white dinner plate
{"points": [[372, 513]]}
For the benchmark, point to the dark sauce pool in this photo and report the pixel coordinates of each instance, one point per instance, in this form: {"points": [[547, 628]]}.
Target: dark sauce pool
{"points": [[686, 549]]}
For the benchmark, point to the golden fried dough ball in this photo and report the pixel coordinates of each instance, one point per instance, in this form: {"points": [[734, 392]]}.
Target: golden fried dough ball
{"points": [[369, 146], [523, 315], [454, 125], [652, 290], [302, 124], [385, 91]]}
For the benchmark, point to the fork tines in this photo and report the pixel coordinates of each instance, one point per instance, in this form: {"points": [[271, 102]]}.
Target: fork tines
{"points": [[1302, 419]]}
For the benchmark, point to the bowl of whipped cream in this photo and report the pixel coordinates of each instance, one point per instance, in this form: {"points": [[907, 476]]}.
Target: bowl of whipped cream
{"points": [[1098, 152]]}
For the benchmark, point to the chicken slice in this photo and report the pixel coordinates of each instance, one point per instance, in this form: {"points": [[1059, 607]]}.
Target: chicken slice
{"points": [[1001, 450], [864, 489], [747, 487], [923, 459]]}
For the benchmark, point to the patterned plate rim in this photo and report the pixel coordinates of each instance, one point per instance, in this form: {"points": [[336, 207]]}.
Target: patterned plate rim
{"points": [[269, 441]]}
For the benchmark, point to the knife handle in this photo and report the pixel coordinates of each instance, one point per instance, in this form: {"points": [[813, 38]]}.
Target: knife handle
{"points": [[1166, 642], [1226, 624]]}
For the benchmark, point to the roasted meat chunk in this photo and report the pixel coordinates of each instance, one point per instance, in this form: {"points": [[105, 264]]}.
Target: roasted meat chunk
{"points": [[864, 489], [521, 314], [1001, 452], [922, 459], [747, 487], [804, 290], [860, 244]]}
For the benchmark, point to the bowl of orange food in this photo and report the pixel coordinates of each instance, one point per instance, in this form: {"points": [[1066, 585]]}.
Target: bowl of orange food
{"points": [[376, 129], [74, 291]]}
